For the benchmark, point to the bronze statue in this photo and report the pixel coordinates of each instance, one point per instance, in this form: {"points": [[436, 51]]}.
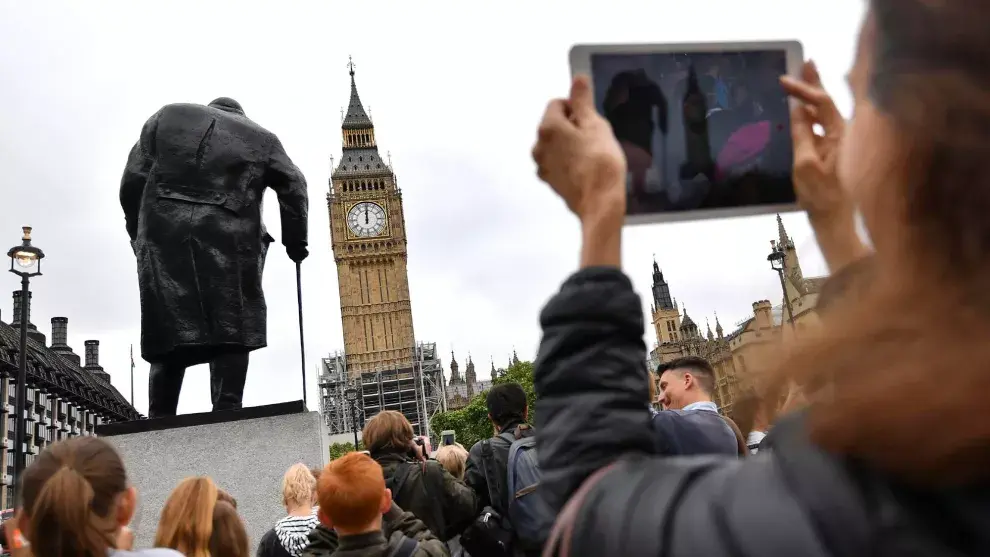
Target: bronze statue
{"points": [[192, 193]]}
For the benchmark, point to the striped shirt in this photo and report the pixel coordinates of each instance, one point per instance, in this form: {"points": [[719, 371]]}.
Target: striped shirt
{"points": [[293, 532]]}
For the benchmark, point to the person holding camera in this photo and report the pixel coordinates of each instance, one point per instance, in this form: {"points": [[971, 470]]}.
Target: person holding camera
{"points": [[419, 485], [847, 474]]}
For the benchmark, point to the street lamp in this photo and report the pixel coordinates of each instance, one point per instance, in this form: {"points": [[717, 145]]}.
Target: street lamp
{"points": [[351, 394], [776, 259], [25, 262]]}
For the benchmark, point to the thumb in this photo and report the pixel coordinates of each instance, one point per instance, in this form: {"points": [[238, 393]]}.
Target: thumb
{"points": [[582, 102]]}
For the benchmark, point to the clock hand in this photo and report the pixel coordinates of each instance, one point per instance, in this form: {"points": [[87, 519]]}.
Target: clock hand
{"points": [[365, 215]]}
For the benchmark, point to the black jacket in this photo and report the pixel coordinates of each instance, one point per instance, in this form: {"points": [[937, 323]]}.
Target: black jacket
{"points": [[795, 500], [323, 542], [446, 505], [398, 526], [474, 471], [269, 546], [191, 193]]}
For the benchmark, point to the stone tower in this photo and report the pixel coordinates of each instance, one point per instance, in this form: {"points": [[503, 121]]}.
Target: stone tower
{"points": [[470, 375], [455, 375], [368, 237], [666, 318]]}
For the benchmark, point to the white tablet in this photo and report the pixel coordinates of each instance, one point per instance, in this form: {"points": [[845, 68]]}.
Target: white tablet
{"points": [[705, 126]]}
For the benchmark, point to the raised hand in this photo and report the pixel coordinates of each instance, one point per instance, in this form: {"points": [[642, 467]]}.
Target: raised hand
{"points": [[579, 157], [816, 156]]}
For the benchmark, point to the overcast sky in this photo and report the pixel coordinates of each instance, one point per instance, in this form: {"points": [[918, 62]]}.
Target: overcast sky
{"points": [[456, 92]]}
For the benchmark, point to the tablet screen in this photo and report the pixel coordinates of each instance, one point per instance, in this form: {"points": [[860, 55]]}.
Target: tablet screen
{"points": [[700, 130]]}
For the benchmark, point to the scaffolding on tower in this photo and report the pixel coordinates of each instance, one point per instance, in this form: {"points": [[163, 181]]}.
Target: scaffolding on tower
{"points": [[418, 393]]}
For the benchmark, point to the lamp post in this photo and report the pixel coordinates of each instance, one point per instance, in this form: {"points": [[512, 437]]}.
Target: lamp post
{"points": [[351, 394], [776, 259], [25, 262]]}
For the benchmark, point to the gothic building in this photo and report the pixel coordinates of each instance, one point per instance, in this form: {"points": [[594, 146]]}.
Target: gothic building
{"points": [[381, 358], [460, 390], [678, 335], [66, 395]]}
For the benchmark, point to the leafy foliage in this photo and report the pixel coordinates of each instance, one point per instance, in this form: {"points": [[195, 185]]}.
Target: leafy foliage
{"points": [[471, 423], [338, 450]]}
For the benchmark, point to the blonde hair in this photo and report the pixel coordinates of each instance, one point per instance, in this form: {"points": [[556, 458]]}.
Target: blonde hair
{"points": [[298, 486], [186, 523], [388, 429], [453, 458]]}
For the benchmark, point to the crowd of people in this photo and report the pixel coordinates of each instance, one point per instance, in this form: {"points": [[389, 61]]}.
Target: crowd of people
{"points": [[829, 451]]}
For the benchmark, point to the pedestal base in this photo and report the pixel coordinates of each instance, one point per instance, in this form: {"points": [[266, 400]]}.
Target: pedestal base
{"points": [[245, 451]]}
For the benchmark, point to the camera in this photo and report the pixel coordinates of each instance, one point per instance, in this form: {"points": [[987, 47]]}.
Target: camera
{"points": [[448, 437]]}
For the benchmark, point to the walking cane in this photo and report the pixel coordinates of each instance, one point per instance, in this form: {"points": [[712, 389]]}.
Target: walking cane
{"points": [[302, 340]]}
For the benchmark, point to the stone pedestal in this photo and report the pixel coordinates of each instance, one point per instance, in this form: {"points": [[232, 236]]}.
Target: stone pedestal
{"points": [[245, 451]]}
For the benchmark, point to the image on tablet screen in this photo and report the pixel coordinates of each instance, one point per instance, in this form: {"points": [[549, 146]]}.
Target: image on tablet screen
{"points": [[700, 130]]}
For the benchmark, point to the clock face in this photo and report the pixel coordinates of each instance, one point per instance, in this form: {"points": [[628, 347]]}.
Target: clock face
{"points": [[366, 219]]}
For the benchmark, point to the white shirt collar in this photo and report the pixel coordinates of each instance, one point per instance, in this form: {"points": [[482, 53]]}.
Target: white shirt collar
{"points": [[701, 405]]}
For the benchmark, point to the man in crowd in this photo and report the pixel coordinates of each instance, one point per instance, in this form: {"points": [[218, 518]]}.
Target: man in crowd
{"points": [[490, 474], [691, 424], [508, 411]]}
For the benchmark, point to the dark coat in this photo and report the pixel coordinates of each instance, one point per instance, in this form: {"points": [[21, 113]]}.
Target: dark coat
{"points": [[398, 526], [446, 505], [192, 193], [269, 546], [474, 471], [794, 500], [693, 432], [323, 542]]}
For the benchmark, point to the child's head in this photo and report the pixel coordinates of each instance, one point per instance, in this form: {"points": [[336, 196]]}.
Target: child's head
{"points": [[298, 486], [453, 458], [76, 499], [201, 520], [352, 495]]}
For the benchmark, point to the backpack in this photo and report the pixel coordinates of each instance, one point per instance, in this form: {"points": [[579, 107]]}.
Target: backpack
{"points": [[529, 514], [518, 520]]}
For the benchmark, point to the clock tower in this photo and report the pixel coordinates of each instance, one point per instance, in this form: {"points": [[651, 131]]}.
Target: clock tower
{"points": [[368, 236]]}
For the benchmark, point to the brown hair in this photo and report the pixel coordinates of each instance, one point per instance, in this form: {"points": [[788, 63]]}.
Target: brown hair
{"points": [[453, 458], [696, 366], [926, 328], [351, 490], [186, 523], [229, 537], [70, 496], [226, 498], [387, 430]]}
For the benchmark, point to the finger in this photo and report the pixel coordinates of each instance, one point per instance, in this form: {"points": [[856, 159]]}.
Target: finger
{"points": [[803, 136], [554, 119], [809, 90], [582, 101]]}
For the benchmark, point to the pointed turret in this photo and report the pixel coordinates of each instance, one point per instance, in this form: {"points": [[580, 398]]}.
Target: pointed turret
{"points": [[661, 290], [469, 374], [688, 328], [455, 376], [708, 325], [718, 326], [515, 358], [356, 117], [360, 156], [783, 240]]}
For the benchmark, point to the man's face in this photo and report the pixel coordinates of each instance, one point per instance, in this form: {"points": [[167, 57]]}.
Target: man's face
{"points": [[673, 388]]}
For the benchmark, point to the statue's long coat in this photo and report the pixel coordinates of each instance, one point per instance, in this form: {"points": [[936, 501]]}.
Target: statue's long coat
{"points": [[192, 193]]}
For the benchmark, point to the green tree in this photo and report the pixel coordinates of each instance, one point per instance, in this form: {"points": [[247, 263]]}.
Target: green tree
{"points": [[338, 450], [471, 423]]}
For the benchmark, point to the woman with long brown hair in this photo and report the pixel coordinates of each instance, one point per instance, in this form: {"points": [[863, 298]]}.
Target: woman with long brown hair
{"points": [[77, 502], [857, 471], [200, 520]]}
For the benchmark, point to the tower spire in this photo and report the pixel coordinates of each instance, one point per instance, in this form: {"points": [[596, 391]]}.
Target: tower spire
{"points": [[783, 240], [356, 118]]}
